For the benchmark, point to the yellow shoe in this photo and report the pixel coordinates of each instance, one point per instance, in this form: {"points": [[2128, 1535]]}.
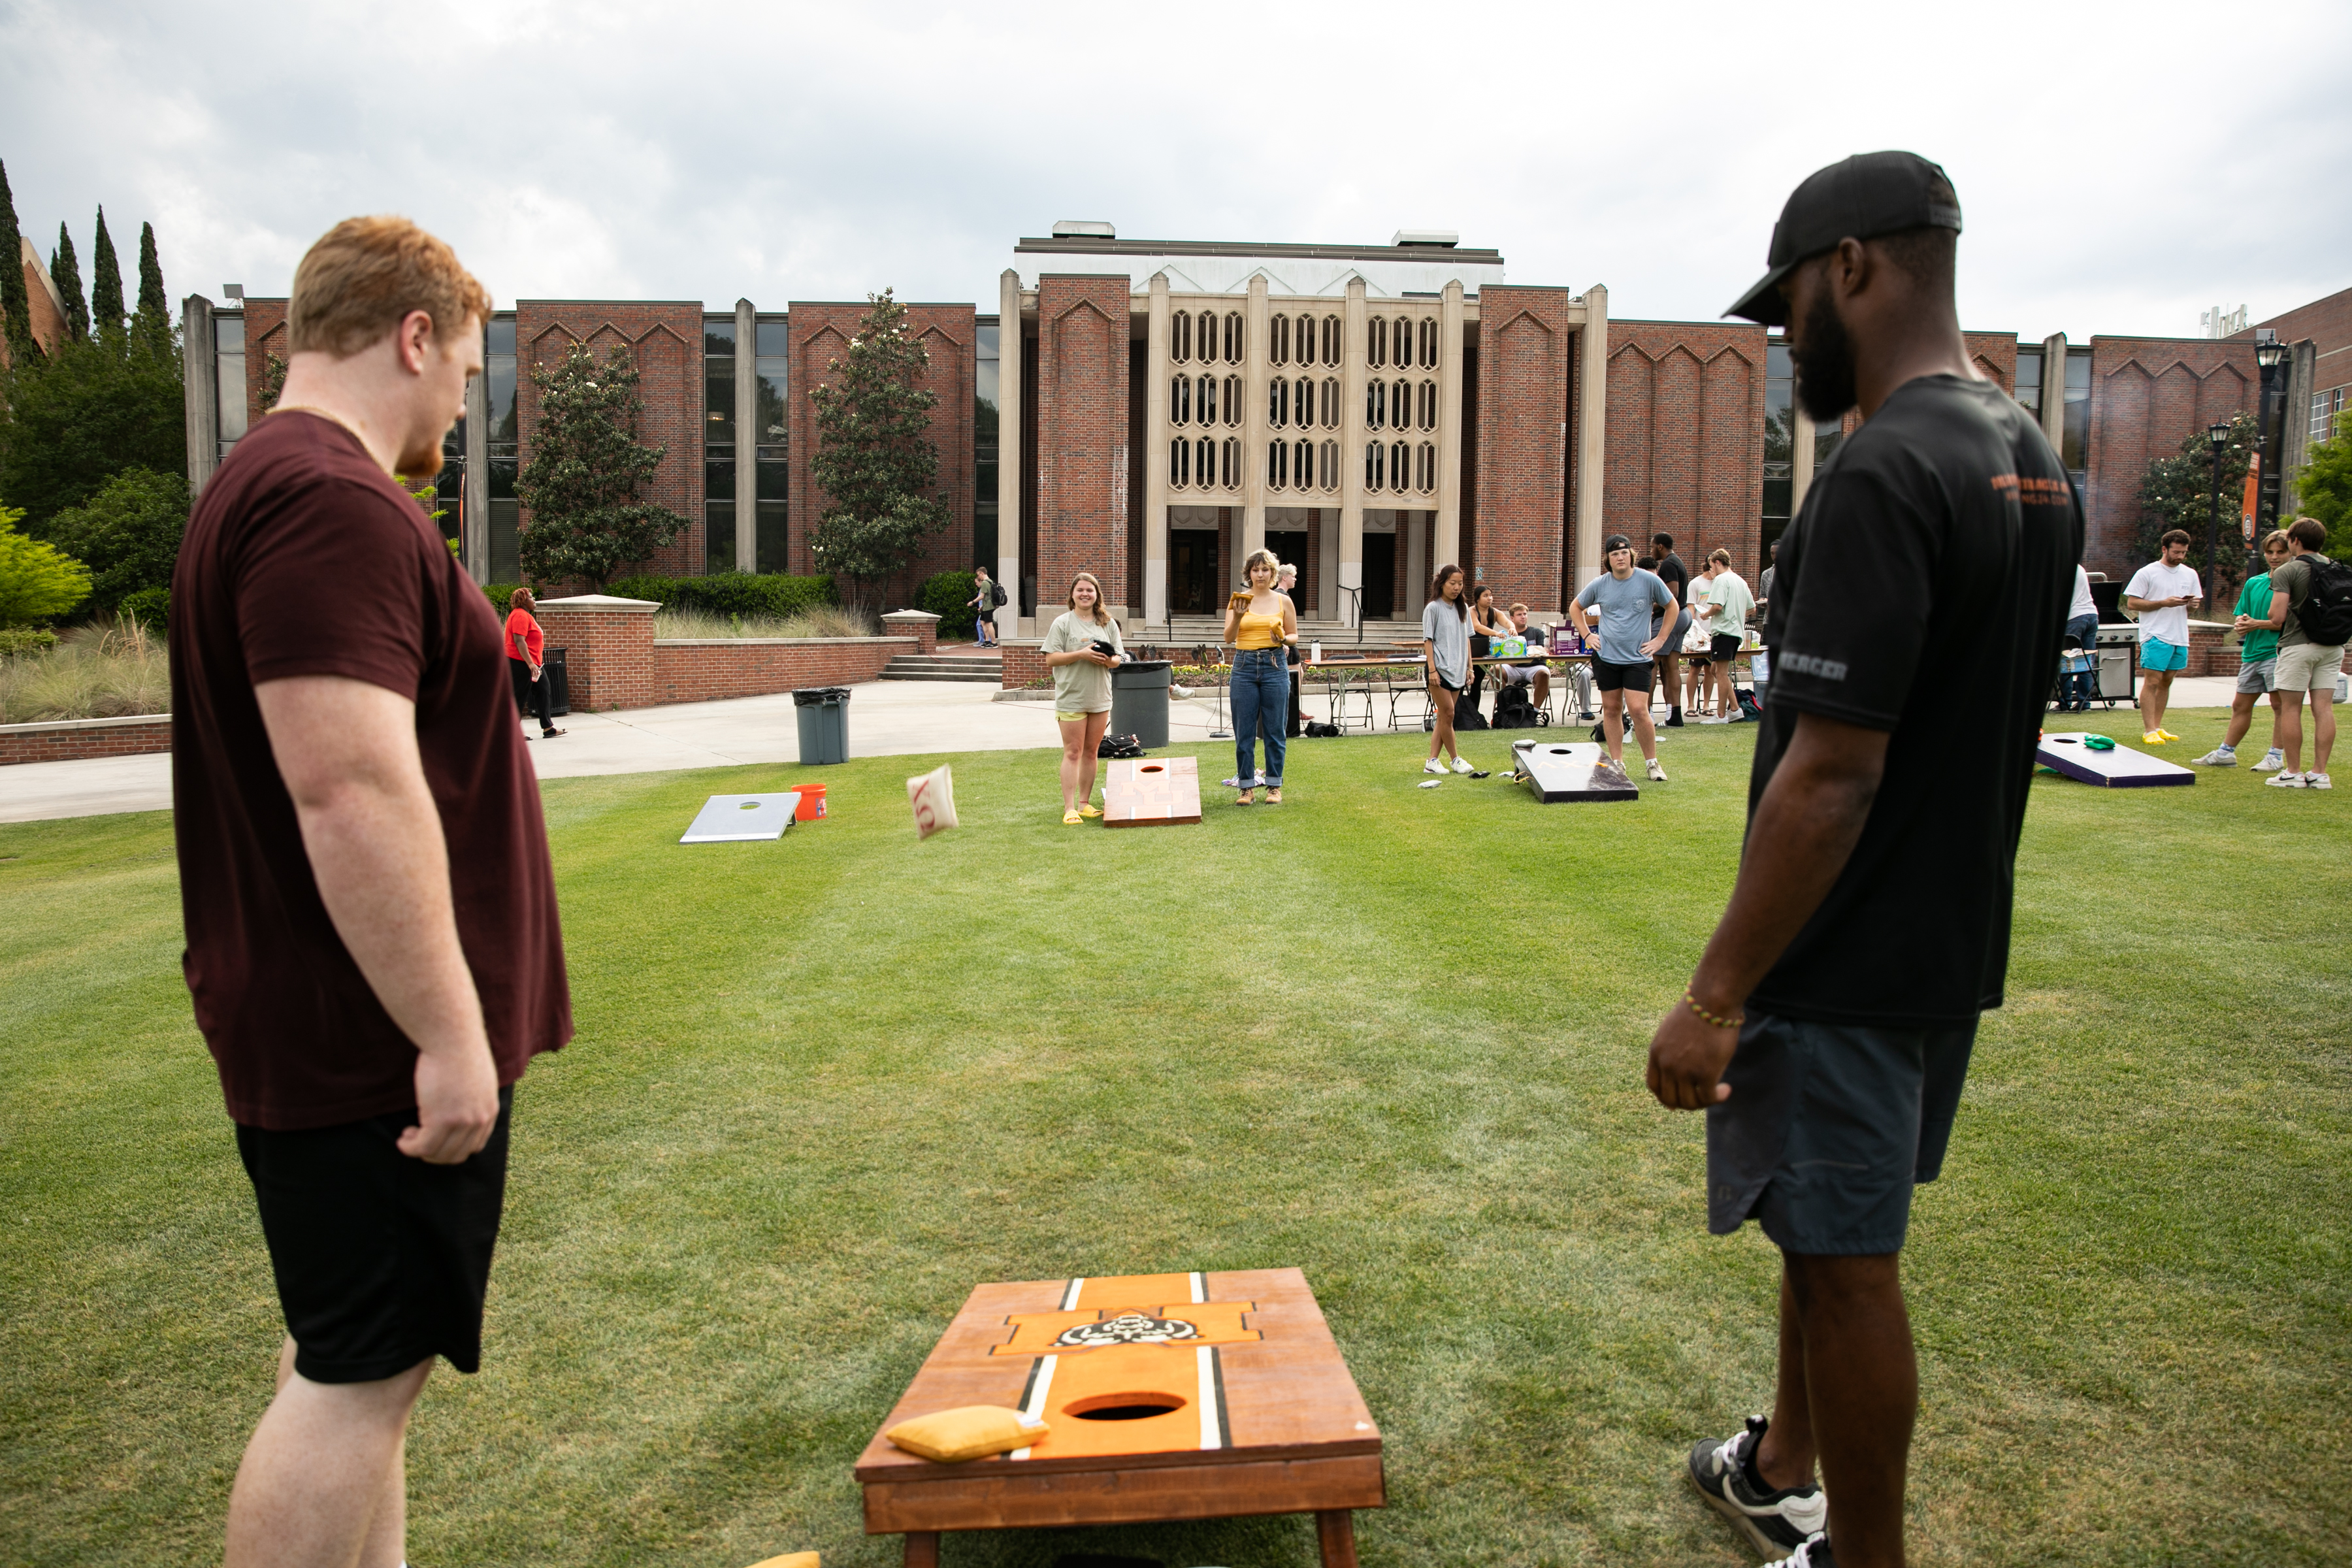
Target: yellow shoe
{"points": [[1071, 819], [1090, 809], [2167, 735], [2153, 738]]}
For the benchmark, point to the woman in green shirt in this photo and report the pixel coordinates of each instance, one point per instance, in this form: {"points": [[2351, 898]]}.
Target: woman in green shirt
{"points": [[1082, 690], [2257, 663]]}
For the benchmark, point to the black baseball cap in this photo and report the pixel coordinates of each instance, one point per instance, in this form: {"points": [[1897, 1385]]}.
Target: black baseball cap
{"points": [[1869, 195], [1615, 541]]}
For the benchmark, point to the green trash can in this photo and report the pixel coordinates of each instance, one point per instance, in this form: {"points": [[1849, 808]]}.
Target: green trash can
{"points": [[1139, 701], [824, 714]]}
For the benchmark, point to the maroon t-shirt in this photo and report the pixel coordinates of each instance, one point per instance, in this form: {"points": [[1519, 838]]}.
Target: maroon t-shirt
{"points": [[304, 558]]}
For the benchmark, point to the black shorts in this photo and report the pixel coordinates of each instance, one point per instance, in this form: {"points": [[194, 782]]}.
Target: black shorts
{"points": [[1828, 1128], [1675, 638], [1611, 676], [382, 1260], [1723, 647], [1440, 678]]}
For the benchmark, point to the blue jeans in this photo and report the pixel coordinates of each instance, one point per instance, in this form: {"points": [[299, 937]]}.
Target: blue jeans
{"points": [[1260, 685], [2078, 690]]}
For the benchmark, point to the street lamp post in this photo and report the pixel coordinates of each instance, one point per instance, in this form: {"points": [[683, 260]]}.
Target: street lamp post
{"points": [[2218, 434], [2271, 356]]}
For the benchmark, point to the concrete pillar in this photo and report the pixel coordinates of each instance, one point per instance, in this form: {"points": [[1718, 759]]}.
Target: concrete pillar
{"points": [[1592, 432], [2054, 391], [475, 502], [1800, 464], [747, 439], [1009, 455], [1412, 538], [1326, 562], [2295, 447], [1449, 423], [1354, 324], [1155, 453], [1257, 322], [200, 384]]}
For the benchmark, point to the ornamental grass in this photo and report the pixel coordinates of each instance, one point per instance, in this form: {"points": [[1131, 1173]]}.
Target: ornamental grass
{"points": [[105, 670]]}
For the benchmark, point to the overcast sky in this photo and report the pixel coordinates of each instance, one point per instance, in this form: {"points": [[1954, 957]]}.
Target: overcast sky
{"points": [[2121, 166]]}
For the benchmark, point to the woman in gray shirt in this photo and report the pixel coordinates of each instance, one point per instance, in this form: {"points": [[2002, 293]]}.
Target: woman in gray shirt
{"points": [[1446, 643]]}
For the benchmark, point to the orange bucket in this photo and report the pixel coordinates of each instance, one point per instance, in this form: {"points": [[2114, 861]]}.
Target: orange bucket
{"points": [[812, 806]]}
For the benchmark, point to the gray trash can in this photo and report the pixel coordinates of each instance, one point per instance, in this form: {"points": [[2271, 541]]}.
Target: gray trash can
{"points": [[1139, 701], [824, 714]]}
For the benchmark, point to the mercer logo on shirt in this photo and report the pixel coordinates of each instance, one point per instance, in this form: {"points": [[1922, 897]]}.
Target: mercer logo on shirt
{"points": [[1812, 664], [2032, 492]]}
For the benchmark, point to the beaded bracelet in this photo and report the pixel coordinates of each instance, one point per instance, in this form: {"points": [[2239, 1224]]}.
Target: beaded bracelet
{"points": [[1733, 1022]]}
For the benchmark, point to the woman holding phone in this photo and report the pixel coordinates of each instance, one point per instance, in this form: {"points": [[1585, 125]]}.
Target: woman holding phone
{"points": [[1263, 625], [1082, 648], [1446, 644]]}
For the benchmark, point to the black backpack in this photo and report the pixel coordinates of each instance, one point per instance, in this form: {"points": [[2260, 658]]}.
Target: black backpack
{"points": [[2325, 613], [1120, 746], [1513, 708], [996, 595]]}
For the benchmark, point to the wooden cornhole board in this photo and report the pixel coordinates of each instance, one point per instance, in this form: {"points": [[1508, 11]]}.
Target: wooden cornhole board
{"points": [[2122, 768], [1142, 792], [1168, 1397], [1554, 772]]}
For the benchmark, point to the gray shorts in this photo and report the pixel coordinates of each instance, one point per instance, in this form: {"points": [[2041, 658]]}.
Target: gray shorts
{"points": [[1828, 1128], [2255, 680]]}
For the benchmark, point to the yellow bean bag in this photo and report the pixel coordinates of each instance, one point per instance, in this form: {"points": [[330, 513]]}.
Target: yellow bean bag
{"points": [[974, 1432], [789, 1560]]}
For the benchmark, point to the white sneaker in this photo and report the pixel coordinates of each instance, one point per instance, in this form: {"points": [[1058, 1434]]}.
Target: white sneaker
{"points": [[1433, 766], [2286, 781], [2220, 757], [2273, 761], [2316, 781], [1715, 720], [1462, 765], [1656, 772], [1180, 692]]}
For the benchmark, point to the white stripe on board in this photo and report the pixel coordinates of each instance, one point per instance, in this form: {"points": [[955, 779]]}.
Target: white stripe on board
{"points": [[1035, 1408], [1070, 1296], [1200, 1288], [1211, 1434]]}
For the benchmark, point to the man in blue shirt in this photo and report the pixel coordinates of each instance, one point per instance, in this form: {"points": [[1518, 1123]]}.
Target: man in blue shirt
{"points": [[1621, 667]]}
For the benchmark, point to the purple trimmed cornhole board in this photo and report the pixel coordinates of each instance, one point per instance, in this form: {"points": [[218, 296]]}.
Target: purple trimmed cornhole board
{"points": [[2122, 768]]}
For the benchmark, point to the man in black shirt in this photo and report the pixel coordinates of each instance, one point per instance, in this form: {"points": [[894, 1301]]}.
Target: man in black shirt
{"points": [[1676, 577], [1826, 1030]]}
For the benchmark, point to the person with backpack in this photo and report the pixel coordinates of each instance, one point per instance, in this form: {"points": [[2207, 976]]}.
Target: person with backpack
{"points": [[2311, 609], [986, 597], [2257, 663]]}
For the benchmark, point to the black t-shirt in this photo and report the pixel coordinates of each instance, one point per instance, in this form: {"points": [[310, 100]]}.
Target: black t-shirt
{"points": [[1676, 577], [1938, 545]]}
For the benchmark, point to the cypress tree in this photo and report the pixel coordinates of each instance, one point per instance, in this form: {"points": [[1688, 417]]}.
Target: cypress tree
{"points": [[22, 349], [106, 311], [65, 271], [150, 327]]}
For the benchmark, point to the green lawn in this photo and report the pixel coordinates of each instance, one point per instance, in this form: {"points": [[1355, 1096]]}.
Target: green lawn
{"points": [[1391, 1036]]}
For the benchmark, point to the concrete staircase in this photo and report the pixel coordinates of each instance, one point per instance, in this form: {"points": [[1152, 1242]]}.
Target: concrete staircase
{"points": [[1190, 629], [974, 668]]}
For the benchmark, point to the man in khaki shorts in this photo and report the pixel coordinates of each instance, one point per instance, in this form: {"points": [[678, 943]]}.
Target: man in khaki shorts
{"points": [[2304, 663]]}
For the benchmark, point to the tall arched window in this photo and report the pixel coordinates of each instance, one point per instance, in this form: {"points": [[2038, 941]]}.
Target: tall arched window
{"points": [[1401, 405], [1180, 463], [1429, 405], [1302, 463], [1277, 403], [1425, 468], [1376, 341], [1204, 462], [1403, 344], [1330, 465], [1233, 464], [1374, 455], [1306, 341], [1236, 337], [1208, 343], [1180, 337], [1305, 395], [1330, 403], [1207, 401], [1278, 341], [1179, 400], [1233, 400], [1399, 456], [1376, 397], [1277, 464], [1429, 345]]}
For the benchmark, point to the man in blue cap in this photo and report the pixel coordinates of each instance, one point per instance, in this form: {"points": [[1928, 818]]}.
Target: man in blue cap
{"points": [[1827, 1027]]}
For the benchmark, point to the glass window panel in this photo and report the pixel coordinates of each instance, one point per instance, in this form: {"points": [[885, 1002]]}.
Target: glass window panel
{"points": [[1397, 461], [1233, 400], [1375, 397], [1302, 463], [228, 334], [1180, 337], [1179, 400], [1330, 403], [499, 337], [718, 335], [771, 536], [1277, 403], [1330, 465], [1180, 463], [771, 395], [1207, 388], [1236, 338], [772, 485], [719, 536], [1277, 346], [1233, 467], [1376, 341], [775, 338], [2029, 380], [230, 389], [1372, 452], [718, 400], [1275, 455], [1204, 461], [1776, 358], [499, 391]]}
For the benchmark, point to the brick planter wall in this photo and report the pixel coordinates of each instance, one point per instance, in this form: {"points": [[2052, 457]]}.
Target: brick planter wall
{"points": [[700, 671], [2209, 650], [71, 739], [609, 649], [922, 625], [1024, 664]]}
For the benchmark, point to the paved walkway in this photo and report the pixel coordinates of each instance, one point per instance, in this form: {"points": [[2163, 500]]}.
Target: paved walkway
{"points": [[887, 718]]}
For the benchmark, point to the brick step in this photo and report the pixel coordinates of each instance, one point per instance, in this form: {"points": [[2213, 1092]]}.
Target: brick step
{"points": [[915, 667]]}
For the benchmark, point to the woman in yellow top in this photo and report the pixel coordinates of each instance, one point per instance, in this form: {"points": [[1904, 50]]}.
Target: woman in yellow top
{"points": [[1263, 625], [1074, 648]]}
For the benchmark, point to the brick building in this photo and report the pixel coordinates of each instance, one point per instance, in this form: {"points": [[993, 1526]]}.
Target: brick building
{"points": [[1370, 412], [45, 307]]}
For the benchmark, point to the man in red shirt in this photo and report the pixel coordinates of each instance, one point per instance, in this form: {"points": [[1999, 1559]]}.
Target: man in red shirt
{"points": [[372, 945]]}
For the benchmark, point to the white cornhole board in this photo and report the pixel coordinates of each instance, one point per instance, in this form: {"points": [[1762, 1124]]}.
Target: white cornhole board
{"points": [[1554, 771], [2122, 768], [736, 818]]}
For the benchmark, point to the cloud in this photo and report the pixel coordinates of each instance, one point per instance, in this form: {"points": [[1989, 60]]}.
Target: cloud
{"points": [[2114, 179]]}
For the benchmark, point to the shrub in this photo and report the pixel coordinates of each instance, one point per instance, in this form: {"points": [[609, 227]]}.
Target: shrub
{"points": [[945, 595], [37, 581], [150, 607], [25, 640], [128, 534], [765, 595], [499, 593]]}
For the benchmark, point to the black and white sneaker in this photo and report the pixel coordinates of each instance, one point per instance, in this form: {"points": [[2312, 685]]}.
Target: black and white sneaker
{"points": [[1779, 1523], [1813, 1553]]}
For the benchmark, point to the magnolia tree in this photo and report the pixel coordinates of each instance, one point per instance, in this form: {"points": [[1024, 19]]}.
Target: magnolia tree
{"points": [[2177, 491], [586, 469], [875, 457]]}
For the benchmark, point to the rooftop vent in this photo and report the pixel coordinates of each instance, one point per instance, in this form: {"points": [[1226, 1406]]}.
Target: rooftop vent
{"points": [[1444, 239], [1083, 228]]}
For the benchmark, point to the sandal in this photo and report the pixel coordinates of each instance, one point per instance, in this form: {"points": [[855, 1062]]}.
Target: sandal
{"points": [[1090, 809], [1071, 819]]}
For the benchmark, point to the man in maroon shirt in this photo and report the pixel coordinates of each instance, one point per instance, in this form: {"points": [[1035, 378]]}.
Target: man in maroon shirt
{"points": [[372, 946]]}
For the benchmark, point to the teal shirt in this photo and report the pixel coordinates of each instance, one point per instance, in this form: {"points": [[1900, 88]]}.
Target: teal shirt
{"points": [[2254, 599]]}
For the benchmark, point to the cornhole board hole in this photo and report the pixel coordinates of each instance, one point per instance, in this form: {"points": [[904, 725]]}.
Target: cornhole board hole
{"points": [[1555, 772], [2122, 768], [1167, 1396], [736, 818], [1144, 792]]}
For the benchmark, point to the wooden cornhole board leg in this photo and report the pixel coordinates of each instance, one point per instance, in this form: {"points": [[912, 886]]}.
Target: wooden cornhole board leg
{"points": [[1141, 792], [1335, 1531], [923, 1549]]}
